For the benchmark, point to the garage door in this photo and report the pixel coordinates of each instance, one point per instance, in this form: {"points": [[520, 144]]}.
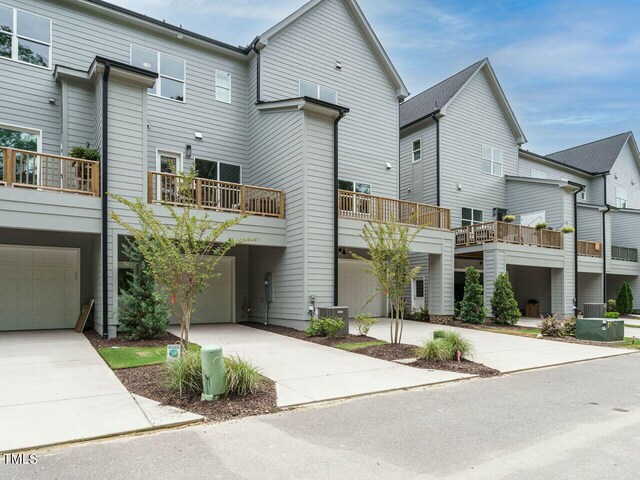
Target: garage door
{"points": [[355, 287], [39, 287], [216, 303]]}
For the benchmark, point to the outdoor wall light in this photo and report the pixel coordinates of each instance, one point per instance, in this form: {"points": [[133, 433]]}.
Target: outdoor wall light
{"points": [[338, 65], [188, 154], [198, 135], [388, 166], [459, 186], [52, 100]]}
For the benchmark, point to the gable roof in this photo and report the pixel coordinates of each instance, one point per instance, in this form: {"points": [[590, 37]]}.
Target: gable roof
{"points": [[368, 33], [437, 98], [594, 157]]}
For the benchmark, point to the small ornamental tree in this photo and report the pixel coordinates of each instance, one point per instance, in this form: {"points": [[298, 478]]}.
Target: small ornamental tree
{"points": [[472, 308], [503, 302], [182, 253], [142, 310], [389, 247], [624, 302]]}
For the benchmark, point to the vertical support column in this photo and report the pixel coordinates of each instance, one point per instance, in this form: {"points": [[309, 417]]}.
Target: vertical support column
{"points": [[441, 281], [494, 264]]}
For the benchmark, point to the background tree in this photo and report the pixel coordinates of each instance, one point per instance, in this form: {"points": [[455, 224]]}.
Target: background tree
{"points": [[182, 255], [504, 306], [389, 247], [472, 308], [624, 302], [143, 312]]}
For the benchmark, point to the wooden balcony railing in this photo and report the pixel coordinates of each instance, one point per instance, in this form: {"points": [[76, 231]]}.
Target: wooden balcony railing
{"points": [[507, 233], [589, 249], [43, 171], [383, 209], [214, 195]]}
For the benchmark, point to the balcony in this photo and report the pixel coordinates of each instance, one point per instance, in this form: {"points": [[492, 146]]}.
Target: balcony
{"points": [[503, 232], [382, 209], [42, 171], [589, 249], [624, 254], [216, 196]]}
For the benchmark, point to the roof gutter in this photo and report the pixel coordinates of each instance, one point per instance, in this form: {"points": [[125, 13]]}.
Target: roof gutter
{"points": [[340, 116], [431, 115], [105, 199]]}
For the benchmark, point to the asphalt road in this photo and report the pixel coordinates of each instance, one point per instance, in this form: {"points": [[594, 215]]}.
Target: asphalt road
{"points": [[578, 421]]}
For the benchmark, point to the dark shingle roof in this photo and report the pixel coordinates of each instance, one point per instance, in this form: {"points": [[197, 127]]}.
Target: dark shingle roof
{"points": [[593, 157], [434, 98]]}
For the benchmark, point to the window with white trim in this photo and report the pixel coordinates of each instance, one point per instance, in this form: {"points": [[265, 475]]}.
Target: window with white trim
{"points": [[223, 86], [492, 160], [583, 194], [22, 139], [416, 148], [313, 90], [535, 173], [25, 37], [171, 72], [471, 216], [621, 197]]}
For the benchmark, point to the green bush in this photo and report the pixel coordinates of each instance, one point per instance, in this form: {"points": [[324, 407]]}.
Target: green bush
{"points": [[569, 326], [438, 350], [241, 377], [184, 375], [439, 334], [503, 302], [457, 307], [472, 308], [552, 326], [624, 302], [613, 315], [421, 315], [142, 311], [458, 343], [364, 322], [540, 226], [324, 327], [85, 153], [611, 305]]}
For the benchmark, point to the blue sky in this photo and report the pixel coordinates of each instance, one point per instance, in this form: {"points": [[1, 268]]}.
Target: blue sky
{"points": [[570, 69]]}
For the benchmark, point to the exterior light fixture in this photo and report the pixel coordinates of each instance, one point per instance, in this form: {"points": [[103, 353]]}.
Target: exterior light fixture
{"points": [[198, 135], [188, 154], [338, 65]]}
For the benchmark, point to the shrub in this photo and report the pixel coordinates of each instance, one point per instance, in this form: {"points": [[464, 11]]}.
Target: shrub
{"points": [[567, 229], [438, 350], [241, 377], [439, 334], [541, 225], [364, 322], [85, 153], [503, 302], [420, 315], [624, 302], [551, 326], [509, 218], [457, 306], [458, 343], [569, 326], [612, 315], [611, 305], [184, 375], [325, 327], [143, 312], [472, 308]]}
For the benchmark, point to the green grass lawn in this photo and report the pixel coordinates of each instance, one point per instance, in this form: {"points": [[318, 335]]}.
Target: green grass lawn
{"points": [[521, 332], [131, 357], [628, 325], [627, 343], [357, 345]]}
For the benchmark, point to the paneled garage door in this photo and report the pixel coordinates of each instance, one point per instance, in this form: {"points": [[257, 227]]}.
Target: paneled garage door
{"points": [[217, 303], [355, 287], [39, 287]]}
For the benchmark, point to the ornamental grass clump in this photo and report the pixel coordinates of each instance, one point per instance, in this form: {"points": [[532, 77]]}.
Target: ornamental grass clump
{"points": [[184, 374], [438, 350], [241, 377]]}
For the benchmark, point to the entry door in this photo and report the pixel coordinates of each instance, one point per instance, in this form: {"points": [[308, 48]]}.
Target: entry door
{"points": [[417, 300]]}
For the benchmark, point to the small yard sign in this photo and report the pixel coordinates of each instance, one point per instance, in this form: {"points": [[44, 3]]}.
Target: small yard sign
{"points": [[173, 352]]}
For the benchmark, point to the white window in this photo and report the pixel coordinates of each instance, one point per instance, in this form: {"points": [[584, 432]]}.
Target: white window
{"points": [[471, 216], [621, 198], [224, 172], [535, 173], [357, 187], [491, 160], [168, 162], [223, 86], [531, 219], [20, 138], [25, 37], [171, 72], [416, 148], [313, 90], [583, 194]]}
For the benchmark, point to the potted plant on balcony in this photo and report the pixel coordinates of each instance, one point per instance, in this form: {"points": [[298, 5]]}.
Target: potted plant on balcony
{"points": [[81, 170], [541, 226], [509, 218], [568, 229]]}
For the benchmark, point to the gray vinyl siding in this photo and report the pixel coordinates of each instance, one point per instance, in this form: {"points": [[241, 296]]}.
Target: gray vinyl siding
{"points": [[589, 224], [418, 180], [79, 110], [524, 198], [625, 229], [474, 118], [625, 174], [308, 49]]}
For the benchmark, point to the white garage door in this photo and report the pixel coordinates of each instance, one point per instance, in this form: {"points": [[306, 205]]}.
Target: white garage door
{"points": [[39, 287], [355, 287], [216, 303]]}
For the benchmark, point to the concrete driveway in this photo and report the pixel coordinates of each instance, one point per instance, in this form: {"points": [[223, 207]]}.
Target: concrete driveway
{"points": [[506, 353], [305, 372], [56, 388]]}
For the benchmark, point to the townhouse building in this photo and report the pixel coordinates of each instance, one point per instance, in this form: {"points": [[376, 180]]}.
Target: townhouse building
{"points": [[297, 130]]}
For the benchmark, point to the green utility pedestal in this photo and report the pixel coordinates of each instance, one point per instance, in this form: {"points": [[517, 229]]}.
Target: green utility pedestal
{"points": [[600, 329], [212, 372]]}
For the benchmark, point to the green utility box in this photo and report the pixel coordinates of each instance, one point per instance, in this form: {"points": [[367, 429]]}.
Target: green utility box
{"points": [[212, 372], [600, 329]]}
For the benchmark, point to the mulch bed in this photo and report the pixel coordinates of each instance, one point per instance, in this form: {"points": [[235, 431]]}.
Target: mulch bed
{"points": [[297, 334], [147, 382], [98, 342], [465, 366]]}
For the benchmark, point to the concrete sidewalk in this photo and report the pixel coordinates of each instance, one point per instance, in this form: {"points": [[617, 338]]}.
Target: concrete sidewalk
{"points": [[506, 353], [56, 389], [305, 372]]}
